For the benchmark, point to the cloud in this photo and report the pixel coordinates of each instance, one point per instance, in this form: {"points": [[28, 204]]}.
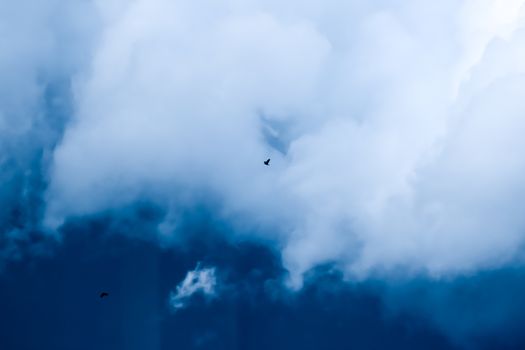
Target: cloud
{"points": [[44, 44], [393, 129], [200, 280]]}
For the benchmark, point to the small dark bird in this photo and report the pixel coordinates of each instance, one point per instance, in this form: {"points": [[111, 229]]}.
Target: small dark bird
{"points": [[267, 162], [103, 294]]}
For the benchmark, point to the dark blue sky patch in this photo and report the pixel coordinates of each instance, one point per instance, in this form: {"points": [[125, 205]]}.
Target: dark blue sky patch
{"points": [[53, 302], [485, 310]]}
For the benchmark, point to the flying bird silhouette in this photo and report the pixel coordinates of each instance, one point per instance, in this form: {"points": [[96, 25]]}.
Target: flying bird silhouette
{"points": [[267, 162], [103, 294]]}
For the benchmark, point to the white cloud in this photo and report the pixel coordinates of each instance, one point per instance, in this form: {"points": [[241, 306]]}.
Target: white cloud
{"points": [[402, 125], [200, 280]]}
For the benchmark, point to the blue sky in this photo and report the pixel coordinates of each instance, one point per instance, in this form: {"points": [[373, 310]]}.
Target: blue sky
{"points": [[132, 136], [52, 301]]}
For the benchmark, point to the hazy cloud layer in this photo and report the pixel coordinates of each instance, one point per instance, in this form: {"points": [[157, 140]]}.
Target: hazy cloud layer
{"points": [[44, 43], [394, 130]]}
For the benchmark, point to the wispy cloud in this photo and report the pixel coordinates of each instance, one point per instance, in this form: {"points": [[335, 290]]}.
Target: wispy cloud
{"points": [[200, 280]]}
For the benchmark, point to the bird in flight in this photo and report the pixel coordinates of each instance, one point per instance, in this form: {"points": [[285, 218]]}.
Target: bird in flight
{"points": [[104, 294], [267, 162]]}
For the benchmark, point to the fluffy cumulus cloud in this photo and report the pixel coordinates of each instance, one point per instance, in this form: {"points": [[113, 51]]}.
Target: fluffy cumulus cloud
{"points": [[200, 280], [394, 129]]}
